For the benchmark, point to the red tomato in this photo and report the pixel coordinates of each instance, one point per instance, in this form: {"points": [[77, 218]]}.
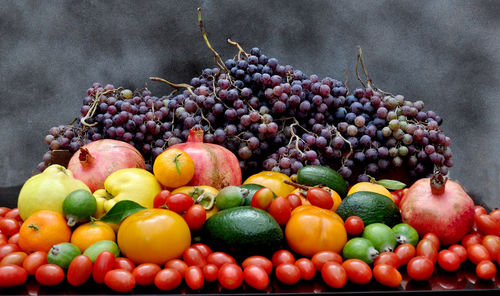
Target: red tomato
{"points": [[195, 217], [281, 210], [49, 275], [160, 199], [178, 265], [3, 211], [287, 273], [12, 275], [448, 260], [119, 280], [357, 271], [432, 237], [79, 270], [479, 210], [387, 275], [486, 270], [179, 202], [7, 249], [13, 239], [15, 258], [460, 250], [194, 277], [282, 256], [420, 268], [260, 261], [167, 279], [396, 197], [492, 244], [34, 260], [193, 257], [124, 263], [210, 272], [220, 258], [294, 200], [320, 258], [388, 258], [104, 262], [3, 239], [495, 214], [145, 273], [14, 214], [256, 277], [307, 268], [487, 225], [405, 252], [333, 274], [9, 226], [427, 248], [320, 198], [204, 249], [230, 276], [354, 225], [477, 253], [262, 198]]}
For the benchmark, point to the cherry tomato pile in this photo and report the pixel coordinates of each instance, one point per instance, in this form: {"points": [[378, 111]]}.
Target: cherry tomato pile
{"points": [[183, 204]]}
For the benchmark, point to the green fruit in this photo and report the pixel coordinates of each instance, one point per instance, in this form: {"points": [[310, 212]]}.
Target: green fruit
{"points": [[371, 207], [98, 247], [243, 231], [230, 196], [62, 254], [78, 206], [405, 234], [360, 248], [313, 175], [252, 188], [381, 236]]}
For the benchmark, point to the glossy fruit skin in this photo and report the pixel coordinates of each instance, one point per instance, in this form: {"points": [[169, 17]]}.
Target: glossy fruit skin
{"points": [[16, 258], [477, 253], [104, 245], [287, 273], [486, 270], [371, 187], [193, 257], [145, 273], [33, 261], [281, 257], [354, 225], [492, 244], [360, 248], [448, 260], [260, 261], [405, 234], [194, 277], [307, 268], [161, 199], [420, 268], [210, 272], [432, 237], [294, 200], [178, 265], [9, 226], [320, 258], [357, 271], [200, 191], [79, 271], [320, 198], [281, 210], [428, 249], [230, 276], [173, 168], [387, 275], [42, 230], [334, 275], [62, 254], [460, 250], [334, 196], [470, 239], [12, 275], [405, 252], [179, 202], [486, 224], [381, 236], [162, 232], [119, 280], [104, 263], [256, 277], [8, 249], [195, 217], [262, 198], [49, 275], [204, 249], [273, 181], [167, 279], [124, 263], [388, 258], [220, 258], [13, 239]]}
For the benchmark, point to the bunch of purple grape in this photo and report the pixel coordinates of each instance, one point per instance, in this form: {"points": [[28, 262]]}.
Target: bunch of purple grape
{"points": [[273, 117]]}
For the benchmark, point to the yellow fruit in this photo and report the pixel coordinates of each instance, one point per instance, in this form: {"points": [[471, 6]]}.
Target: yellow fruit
{"points": [[89, 233], [273, 181], [173, 168], [371, 187]]}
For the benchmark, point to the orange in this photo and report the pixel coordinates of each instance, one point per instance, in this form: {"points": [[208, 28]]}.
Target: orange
{"points": [[371, 187], [173, 168], [42, 230], [89, 233]]}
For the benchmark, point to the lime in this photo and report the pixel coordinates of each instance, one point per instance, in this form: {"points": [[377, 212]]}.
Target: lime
{"points": [[98, 247], [405, 234], [360, 248], [230, 197], [62, 254], [381, 236], [78, 206]]}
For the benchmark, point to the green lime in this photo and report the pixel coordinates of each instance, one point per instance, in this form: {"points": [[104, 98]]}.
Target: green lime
{"points": [[78, 206], [98, 247], [405, 234], [230, 197], [381, 236], [62, 254], [360, 248]]}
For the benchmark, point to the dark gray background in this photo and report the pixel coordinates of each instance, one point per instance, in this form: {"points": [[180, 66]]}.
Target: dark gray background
{"points": [[446, 53]]}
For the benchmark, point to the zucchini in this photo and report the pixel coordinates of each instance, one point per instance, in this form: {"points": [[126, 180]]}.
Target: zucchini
{"points": [[313, 175]]}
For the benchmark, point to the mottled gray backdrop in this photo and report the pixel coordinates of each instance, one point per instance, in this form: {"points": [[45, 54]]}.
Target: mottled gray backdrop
{"points": [[446, 53]]}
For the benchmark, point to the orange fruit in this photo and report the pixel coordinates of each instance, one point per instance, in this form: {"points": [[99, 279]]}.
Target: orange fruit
{"points": [[89, 233], [173, 168], [371, 187], [42, 230]]}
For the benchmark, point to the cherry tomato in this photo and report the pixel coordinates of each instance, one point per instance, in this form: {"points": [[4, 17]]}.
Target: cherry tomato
{"points": [[396, 197], [281, 210], [16, 258], [12, 275], [119, 280], [204, 249], [194, 277], [179, 202], [124, 263], [282, 256], [3, 239], [387, 275], [14, 214], [13, 239], [320, 198], [260, 261], [487, 225], [420, 268], [230, 276], [405, 252], [9, 226], [262, 198], [178, 265], [354, 225], [287, 273], [193, 257], [479, 210], [294, 200], [256, 277], [167, 279], [492, 244], [460, 250], [104, 262], [34, 260], [220, 258], [448, 260], [357, 271], [195, 217], [333, 274], [495, 214], [432, 237], [7, 249], [210, 272], [160, 199], [427, 248], [320, 258], [3, 210], [477, 253], [486, 270], [306, 267], [49, 275], [79, 270], [145, 273], [388, 258]]}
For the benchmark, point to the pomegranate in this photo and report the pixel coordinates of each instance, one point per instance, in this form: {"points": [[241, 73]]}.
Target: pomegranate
{"points": [[440, 206], [214, 165], [94, 162]]}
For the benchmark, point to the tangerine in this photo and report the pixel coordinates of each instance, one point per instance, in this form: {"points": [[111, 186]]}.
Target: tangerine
{"points": [[89, 233], [42, 230], [173, 168]]}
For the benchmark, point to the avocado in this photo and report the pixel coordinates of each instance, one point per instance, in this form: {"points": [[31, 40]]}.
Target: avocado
{"points": [[313, 175], [252, 188]]}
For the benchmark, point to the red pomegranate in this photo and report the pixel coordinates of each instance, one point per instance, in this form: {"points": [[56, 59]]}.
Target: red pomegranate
{"points": [[94, 162], [214, 165], [440, 206]]}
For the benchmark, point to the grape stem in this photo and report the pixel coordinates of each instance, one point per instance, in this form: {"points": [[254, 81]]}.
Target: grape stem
{"points": [[303, 187], [92, 109], [369, 81], [240, 50], [174, 85], [218, 60]]}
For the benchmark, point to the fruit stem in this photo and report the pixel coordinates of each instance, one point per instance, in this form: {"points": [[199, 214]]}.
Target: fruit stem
{"points": [[195, 135], [86, 159], [176, 161], [218, 60], [438, 182], [303, 187], [241, 51], [34, 226], [174, 85]]}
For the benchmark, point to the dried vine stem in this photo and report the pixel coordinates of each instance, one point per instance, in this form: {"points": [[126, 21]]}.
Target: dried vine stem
{"points": [[218, 60], [174, 85], [369, 81], [240, 50]]}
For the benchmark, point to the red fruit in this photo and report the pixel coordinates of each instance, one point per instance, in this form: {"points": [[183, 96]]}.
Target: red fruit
{"points": [[282, 256], [160, 199], [179, 202], [79, 270], [178, 265], [193, 257], [256, 277], [287, 273], [319, 259], [354, 225], [49, 275], [294, 200], [333, 274], [492, 244], [486, 270], [210, 272], [260, 261], [405, 252], [195, 217], [220, 258], [388, 258], [460, 250], [262, 198], [470, 239], [119, 280], [307, 268], [12, 275], [486, 224], [477, 253], [448, 260], [357, 271], [145, 273], [167, 279], [387, 275], [320, 198], [230, 276], [479, 210], [194, 277], [420, 268], [281, 210]]}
